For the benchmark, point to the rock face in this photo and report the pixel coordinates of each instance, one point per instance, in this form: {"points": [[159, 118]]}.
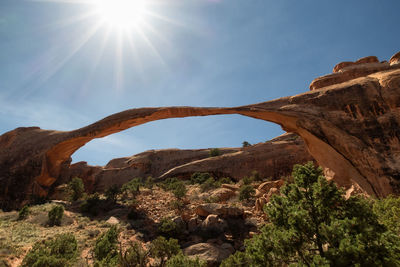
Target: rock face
{"points": [[349, 122], [274, 158]]}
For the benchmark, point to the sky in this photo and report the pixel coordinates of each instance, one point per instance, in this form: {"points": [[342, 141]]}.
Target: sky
{"points": [[64, 65]]}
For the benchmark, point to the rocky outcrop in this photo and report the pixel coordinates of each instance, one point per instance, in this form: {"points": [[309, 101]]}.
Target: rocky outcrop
{"points": [[350, 124], [274, 158]]}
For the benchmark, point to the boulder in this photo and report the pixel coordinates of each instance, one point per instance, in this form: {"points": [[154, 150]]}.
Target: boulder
{"points": [[214, 222], [209, 252], [223, 194], [266, 186]]}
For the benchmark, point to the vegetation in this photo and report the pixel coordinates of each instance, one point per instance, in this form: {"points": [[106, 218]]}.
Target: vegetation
{"points": [[23, 213], [388, 212], [246, 144], [255, 176], [55, 215], [247, 180], [112, 193], [149, 182], [77, 188], [246, 192], [199, 177], [105, 249], [214, 152], [58, 252], [312, 224], [91, 205], [135, 255], [180, 260], [163, 249], [169, 228], [208, 184], [179, 190], [132, 187]]}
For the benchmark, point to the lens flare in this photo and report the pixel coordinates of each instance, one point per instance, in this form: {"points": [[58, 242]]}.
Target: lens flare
{"points": [[123, 14]]}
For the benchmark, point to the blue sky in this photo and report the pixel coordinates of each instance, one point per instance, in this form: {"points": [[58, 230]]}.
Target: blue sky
{"points": [[58, 72]]}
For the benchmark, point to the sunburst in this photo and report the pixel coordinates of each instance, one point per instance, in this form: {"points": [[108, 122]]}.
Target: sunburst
{"points": [[129, 19]]}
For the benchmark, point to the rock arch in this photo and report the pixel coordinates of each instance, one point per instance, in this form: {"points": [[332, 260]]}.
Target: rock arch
{"points": [[352, 129]]}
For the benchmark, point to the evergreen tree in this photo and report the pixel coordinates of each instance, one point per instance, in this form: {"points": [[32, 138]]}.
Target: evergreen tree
{"points": [[312, 224]]}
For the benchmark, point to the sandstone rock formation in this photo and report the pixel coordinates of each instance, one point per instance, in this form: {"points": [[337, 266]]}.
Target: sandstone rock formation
{"points": [[349, 122], [274, 159]]}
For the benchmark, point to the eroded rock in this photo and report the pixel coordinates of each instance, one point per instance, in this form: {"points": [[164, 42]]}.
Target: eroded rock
{"points": [[350, 125]]}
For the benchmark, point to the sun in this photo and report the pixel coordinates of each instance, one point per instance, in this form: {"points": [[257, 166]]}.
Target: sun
{"points": [[121, 14]]}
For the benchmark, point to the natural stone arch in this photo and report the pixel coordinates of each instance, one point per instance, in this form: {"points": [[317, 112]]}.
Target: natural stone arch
{"points": [[352, 129]]}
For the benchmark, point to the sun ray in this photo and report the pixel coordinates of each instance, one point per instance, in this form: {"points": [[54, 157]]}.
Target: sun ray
{"points": [[54, 64], [150, 45], [99, 56]]}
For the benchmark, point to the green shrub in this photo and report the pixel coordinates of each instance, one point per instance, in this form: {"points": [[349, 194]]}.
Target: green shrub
{"points": [[132, 187], [112, 193], [163, 249], [169, 228], [388, 212], [77, 188], [135, 255], [208, 184], [55, 215], [180, 260], [246, 144], [180, 190], [199, 177], [149, 182], [255, 176], [247, 180], [23, 213], [169, 184], [105, 249], [246, 192], [239, 259], [312, 224], [224, 180], [60, 251], [91, 205], [215, 152]]}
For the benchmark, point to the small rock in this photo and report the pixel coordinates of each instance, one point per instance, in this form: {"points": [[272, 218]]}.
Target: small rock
{"points": [[112, 220]]}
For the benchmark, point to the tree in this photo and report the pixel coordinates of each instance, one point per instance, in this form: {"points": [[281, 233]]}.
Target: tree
{"points": [[164, 249], [246, 144], [60, 251], [55, 215], [180, 190], [312, 224], [112, 193], [134, 255], [215, 152], [77, 188], [105, 249], [132, 187]]}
